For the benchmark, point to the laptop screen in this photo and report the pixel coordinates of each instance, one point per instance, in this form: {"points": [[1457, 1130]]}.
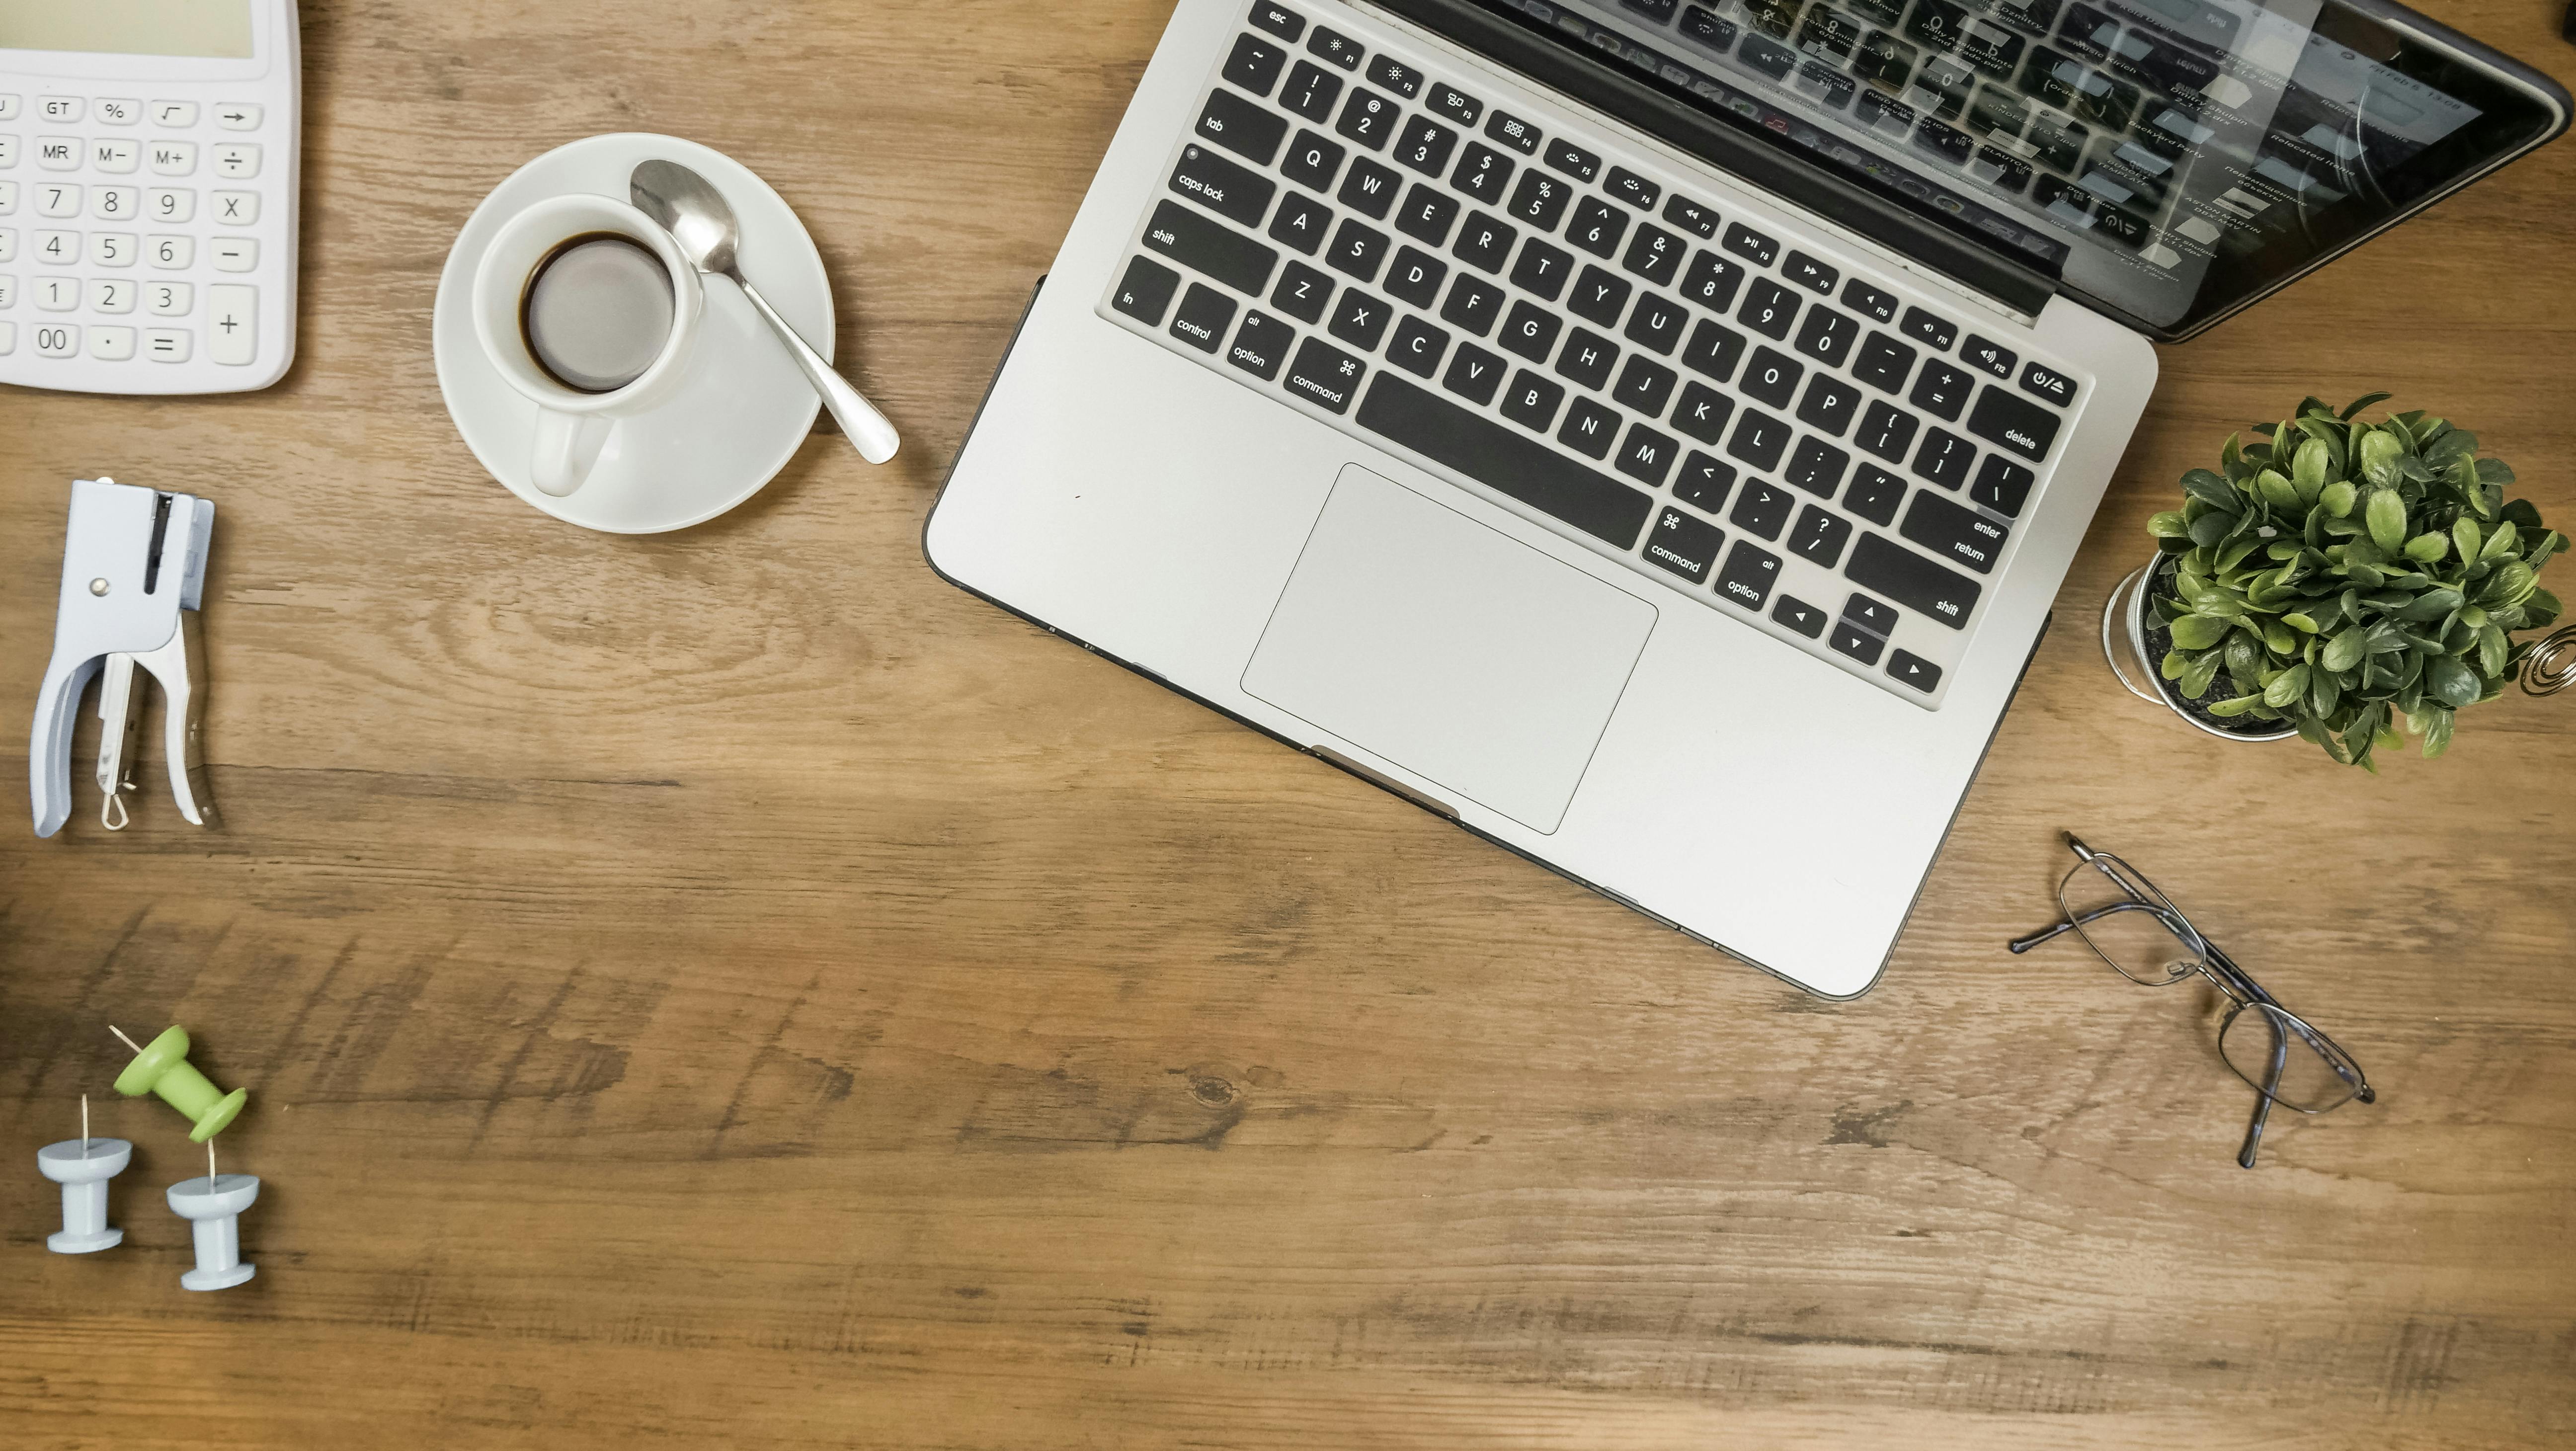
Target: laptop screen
{"points": [[2168, 160]]}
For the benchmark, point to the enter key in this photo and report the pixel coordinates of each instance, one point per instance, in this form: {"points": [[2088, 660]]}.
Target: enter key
{"points": [[1954, 533]]}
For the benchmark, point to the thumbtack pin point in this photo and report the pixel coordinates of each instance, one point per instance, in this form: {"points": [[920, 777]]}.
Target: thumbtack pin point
{"points": [[163, 1069], [213, 1207], [83, 1169]]}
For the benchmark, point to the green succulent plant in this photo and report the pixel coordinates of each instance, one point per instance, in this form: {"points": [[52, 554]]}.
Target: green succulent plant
{"points": [[2342, 577]]}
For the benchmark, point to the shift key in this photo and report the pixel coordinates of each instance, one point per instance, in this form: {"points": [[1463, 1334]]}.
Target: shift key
{"points": [[1913, 581], [1205, 246]]}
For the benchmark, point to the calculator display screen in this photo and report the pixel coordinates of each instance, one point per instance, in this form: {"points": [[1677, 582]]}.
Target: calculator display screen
{"points": [[196, 29]]}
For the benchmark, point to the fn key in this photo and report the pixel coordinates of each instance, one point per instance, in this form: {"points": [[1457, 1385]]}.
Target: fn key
{"points": [[1146, 290]]}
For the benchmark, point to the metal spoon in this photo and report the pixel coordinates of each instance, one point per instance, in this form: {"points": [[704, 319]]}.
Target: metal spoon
{"points": [[698, 219]]}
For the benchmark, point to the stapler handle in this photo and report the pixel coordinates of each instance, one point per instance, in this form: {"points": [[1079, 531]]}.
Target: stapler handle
{"points": [[49, 751], [183, 717]]}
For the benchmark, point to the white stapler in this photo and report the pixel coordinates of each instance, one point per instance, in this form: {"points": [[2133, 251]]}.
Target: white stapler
{"points": [[134, 578]]}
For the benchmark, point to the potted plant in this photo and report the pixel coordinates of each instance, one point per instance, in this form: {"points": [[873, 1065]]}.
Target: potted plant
{"points": [[2337, 579]]}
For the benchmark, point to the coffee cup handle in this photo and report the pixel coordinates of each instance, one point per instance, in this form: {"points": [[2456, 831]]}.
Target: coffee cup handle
{"points": [[567, 444]]}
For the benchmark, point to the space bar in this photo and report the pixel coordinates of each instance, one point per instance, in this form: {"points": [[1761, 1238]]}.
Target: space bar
{"points": [[1502, 460]]}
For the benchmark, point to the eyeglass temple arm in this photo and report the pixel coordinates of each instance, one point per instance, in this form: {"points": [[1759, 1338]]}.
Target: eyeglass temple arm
{"points": [[2025, 944], [2263, 1100]]}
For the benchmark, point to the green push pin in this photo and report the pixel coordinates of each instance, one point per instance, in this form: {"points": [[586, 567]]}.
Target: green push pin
{"points": [[163, 1068]]}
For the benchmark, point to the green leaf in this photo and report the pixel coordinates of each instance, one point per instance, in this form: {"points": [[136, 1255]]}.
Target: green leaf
{"points": [[2364, 401], [2453, 683], [2428, 547], [2211, 527], [2168, 525], [2202, 670], [2494, 471], [2511, 584], [2276, 490], [2507, 535], [2301, 622], [2323, 694], [2286, 687], [2466, 536], [2386, 515], [2236, 706], [2280, 639], [2244, 655], [2310, 466], [2550, 543], [2437, 733], [2379, 451], [2345, 650], [2338, 497], [2431, 605], [2173, 665], [2212, 490]]}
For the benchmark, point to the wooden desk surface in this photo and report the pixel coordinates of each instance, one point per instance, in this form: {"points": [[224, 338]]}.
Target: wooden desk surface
{"points": [[733, 988]]}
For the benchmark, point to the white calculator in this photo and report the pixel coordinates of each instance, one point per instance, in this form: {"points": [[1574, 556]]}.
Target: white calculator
{"points": [[148, 166]]}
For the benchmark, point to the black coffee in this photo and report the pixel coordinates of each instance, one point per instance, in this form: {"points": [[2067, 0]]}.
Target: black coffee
{"points": [[597, 311]]}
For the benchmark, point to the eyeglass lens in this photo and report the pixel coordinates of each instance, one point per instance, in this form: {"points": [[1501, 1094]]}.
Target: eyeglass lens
{"points": [[2284, 1057], [2126, 921]]}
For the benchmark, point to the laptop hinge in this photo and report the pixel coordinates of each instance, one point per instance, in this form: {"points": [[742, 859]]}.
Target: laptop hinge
{"points": [[1730, 146]]}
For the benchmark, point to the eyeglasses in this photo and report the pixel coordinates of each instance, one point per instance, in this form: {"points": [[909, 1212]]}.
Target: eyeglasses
{"points": [[2144, 937]]}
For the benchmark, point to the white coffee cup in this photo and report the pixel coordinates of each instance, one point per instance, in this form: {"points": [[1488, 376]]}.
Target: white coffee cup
{"points": [[574, 426]]}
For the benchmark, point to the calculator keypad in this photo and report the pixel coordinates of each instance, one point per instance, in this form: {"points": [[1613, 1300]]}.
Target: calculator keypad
{"points": [[127, 196]]}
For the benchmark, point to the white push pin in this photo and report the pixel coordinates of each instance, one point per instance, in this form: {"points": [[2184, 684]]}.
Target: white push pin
{"points": [[83, 1168], [214, 1205]]}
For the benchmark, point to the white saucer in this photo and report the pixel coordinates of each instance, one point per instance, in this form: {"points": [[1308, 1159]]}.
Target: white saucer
{"points": [[735, 424]]}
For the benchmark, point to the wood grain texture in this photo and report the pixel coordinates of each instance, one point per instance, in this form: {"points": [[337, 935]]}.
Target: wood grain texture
{"points": [[734, 989]]}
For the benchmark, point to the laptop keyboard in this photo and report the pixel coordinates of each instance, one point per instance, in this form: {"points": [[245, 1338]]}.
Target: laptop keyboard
{"points": [[1738, 412]]}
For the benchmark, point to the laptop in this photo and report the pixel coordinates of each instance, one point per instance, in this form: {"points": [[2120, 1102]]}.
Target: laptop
{"points": [[1650, 433]]}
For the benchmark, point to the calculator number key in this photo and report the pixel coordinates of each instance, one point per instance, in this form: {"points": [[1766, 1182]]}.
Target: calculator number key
{"points": [[171, 253], [169, 299], [55, 340], [112, 249], [55, 294], [111, 294], [60, 249], [115, 203], [169, 204], [57, 199], [236, 160]]}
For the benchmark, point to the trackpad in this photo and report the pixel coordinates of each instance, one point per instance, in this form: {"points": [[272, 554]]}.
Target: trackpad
{"points": [[1449, 648]]}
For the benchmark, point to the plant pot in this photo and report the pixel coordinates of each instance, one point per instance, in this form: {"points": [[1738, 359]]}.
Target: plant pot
{"points": [[2135, 641]]}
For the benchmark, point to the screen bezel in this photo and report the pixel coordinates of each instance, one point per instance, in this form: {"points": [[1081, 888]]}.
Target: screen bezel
{"points": [[271, 27]]}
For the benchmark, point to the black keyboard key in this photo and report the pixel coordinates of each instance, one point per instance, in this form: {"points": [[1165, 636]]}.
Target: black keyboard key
{"points": [[1311, 91], [1810, 274], [1820, 536], [1507, 462], [1204, 316], [1425, 146], [1646, 455], [1369, 118], [1686, 546], [1827, 336], [1883, 363], [1474, 374], [1654, 254], [1415, 277], [1279, 20], [1875, 494], [1359, 319], [1799, 615], [1932, 590], [1513, 132], [1254, 64], [1960, 535], [2048, 384], [1817, 467], [1944, 458], [2002, 485], [1587, 358], [1261, 344], [1944, 143], [1396, 76], [1483, 173], [1627, 186], [1250, 131], [1417, 347], [1772, 377], [1312, 161], [1456, 106], [1573, 160], [1941, 390], [1771, 59], [1532, 401], [1598, 295], [1712, 281], [1231, 191], [1530, 331], [1875, 616], [1861, 297], [1204, 245], [1145, 291], [1303, 293], [1484, 243], [1301, 222], [1703, 412], [1934, 333], [1749, 574], [1763, 508], [1858, 644], [1472, 305], [1325, 375], [1703, 482], [1644, 386], [1589, 428], [1714, 349], [1656, 323], [1697, 218], [1912, 669], [1887, 431], [1759, 439], [2010, 421], [1335, 47], [1597, 227], [1542, 269], [1707, 29], [1829, 405], [1369, 188], [1743, 241], [1426, 215], [1768, 309], [1539, 200], [1994, 357], [1357, 250]]}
